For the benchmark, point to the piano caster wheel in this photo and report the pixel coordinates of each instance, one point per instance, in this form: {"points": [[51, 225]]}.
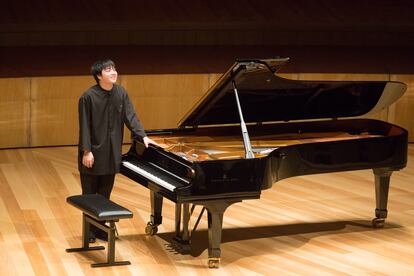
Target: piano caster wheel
{"points": [[378, 222], [151, 229], [213, 262]]}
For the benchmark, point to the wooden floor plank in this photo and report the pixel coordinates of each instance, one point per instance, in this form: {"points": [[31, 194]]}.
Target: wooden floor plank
{"points": [[318, 224]]}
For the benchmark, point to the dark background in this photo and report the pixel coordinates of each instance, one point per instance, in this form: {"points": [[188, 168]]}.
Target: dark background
{"points": [[51, 38]]}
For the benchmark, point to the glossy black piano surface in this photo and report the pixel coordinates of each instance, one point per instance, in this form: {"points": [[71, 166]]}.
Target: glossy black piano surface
{"points": [[203, 161]]}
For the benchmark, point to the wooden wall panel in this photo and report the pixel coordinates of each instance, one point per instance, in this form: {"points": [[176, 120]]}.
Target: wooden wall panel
{"points": [[161, 100], [212, 79], [402, 113], [383, 115], [54, 108], [42, 111], [14, 112]]}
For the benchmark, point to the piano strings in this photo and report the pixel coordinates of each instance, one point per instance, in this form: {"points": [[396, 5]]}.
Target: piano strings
{"points": [[200, 148]]}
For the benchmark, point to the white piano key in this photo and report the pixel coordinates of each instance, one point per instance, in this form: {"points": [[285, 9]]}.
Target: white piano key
{"points": [[149, 176]]}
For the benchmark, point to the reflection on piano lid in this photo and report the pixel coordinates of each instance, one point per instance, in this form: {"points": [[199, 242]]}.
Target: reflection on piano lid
{"points": [[266, 97], [288, 127]]}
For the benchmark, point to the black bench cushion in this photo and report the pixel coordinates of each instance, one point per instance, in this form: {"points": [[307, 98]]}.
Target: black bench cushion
{"points": [[99, 207]]}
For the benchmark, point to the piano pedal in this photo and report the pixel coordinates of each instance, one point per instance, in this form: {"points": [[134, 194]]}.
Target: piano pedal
{"points": [[180, 246], [151, 229], [170, 248]]}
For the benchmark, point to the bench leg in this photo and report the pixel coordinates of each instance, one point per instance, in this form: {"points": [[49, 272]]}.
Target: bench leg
{"points": [[85, 239], [111, 249], [111, 242]]}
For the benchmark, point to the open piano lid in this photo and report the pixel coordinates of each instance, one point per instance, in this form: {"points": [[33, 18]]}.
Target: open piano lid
{"points": [[265, 97]]}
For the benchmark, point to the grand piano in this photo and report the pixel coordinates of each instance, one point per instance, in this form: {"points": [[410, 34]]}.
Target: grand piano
{"points": [[254, 128]]}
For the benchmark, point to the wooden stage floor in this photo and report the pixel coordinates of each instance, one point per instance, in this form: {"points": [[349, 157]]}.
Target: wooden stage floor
{"points": [[308, 225]]}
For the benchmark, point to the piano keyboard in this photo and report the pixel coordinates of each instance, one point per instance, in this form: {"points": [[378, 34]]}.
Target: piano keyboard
{"points": [[146, 171]]}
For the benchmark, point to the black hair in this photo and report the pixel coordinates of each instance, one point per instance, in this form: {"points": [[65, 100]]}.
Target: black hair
{"points": [[100, 65]]}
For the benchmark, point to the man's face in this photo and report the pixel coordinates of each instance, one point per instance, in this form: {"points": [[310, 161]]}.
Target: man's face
{"points": [[108, 75]]}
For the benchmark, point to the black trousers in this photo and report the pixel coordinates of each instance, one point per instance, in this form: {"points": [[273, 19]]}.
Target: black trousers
{"points": [[97, 184]]}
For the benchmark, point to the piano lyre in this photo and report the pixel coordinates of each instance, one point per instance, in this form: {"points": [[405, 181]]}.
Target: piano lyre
{"points": [[254, 128]]}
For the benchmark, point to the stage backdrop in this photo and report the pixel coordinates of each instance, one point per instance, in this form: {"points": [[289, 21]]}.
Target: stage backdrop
{"points": [[42, 111]]}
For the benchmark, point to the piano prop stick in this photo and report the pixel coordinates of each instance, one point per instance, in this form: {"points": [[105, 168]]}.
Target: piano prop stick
{"points": [[288, 128], [246, 138]]}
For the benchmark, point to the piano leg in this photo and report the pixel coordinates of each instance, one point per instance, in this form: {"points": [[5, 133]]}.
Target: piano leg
{"points": [[382, 183], [156, 217], [215, 223]]}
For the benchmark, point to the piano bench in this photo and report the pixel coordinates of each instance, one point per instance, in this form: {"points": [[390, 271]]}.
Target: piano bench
{"points": [[95, 209]]}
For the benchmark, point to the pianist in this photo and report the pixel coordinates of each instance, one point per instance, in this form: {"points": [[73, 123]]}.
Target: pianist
{"points": [[103, 110]]}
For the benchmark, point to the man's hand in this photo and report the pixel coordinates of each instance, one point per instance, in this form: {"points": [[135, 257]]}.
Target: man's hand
{"points": [[87, 159], [148, 141]]}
